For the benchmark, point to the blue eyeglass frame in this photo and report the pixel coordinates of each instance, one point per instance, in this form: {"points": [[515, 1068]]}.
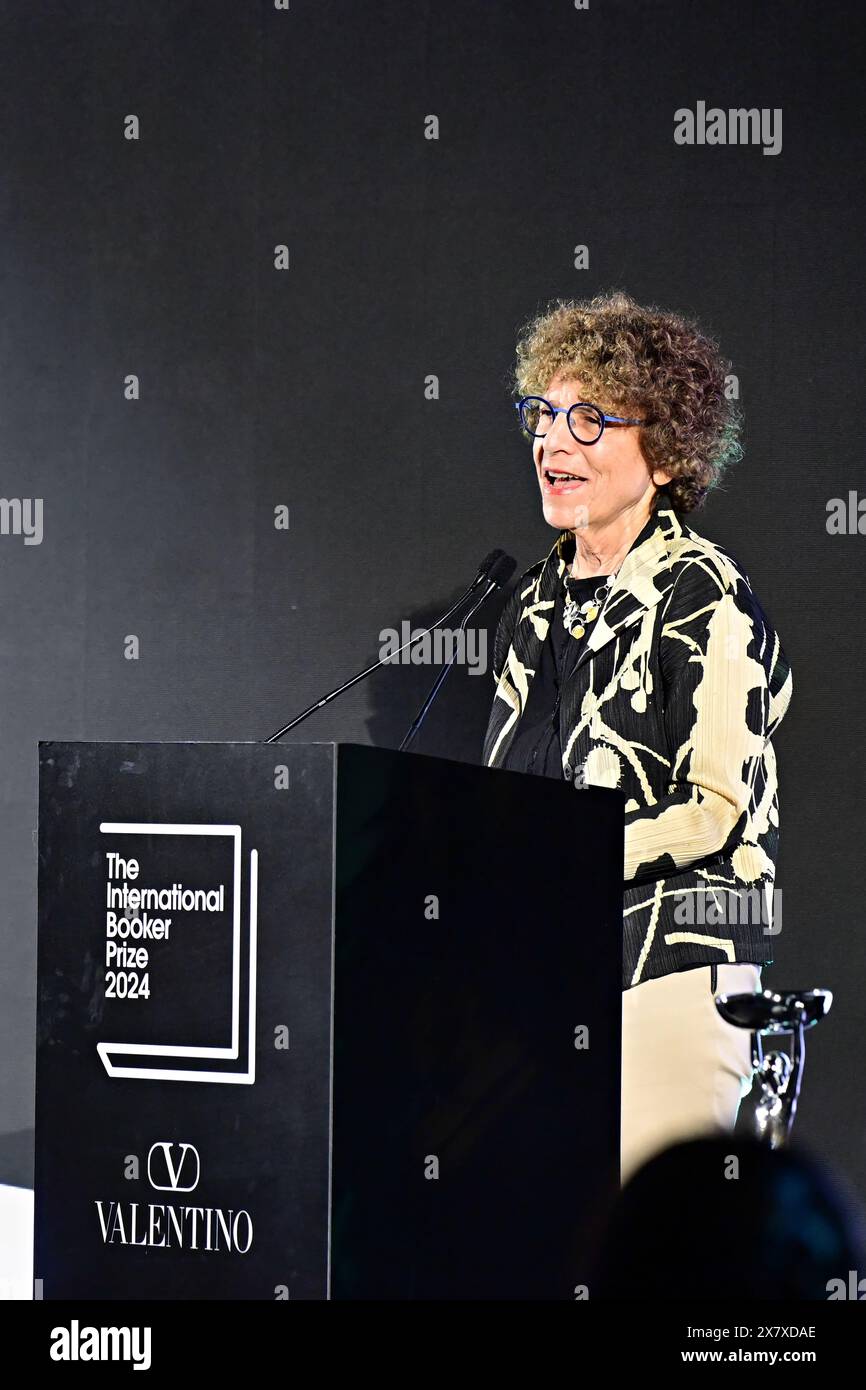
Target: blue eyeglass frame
{"points": [[566, 411]]}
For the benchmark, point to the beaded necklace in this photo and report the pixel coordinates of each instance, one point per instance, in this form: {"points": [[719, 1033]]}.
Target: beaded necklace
{"points": [[585, 613]]}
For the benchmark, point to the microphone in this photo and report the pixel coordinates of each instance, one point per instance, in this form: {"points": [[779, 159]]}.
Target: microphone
{"points": [[485, 570], [500, 572]]}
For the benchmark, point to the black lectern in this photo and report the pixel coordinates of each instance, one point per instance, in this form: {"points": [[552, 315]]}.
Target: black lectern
{"points": [[322, 1021]]}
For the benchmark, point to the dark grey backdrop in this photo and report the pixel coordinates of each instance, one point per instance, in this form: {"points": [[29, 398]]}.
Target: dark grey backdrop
{"points": [[408, 257]]}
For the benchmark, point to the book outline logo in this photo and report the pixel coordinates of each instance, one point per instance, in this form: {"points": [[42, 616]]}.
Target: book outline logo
{"points": [[171, 1055]]}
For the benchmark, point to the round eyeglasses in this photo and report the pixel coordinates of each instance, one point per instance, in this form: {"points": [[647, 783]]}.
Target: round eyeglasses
{"points": [[585, 421]]}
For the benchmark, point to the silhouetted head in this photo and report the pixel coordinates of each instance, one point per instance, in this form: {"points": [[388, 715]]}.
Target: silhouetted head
{"points": [[730, 1217]]}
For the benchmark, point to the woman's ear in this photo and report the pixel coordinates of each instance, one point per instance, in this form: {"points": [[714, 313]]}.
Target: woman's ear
{"points": [[660, 477]]}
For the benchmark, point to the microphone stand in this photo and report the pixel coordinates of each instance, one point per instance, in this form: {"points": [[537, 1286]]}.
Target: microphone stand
{"points": [[439, 681], [479, 578]]}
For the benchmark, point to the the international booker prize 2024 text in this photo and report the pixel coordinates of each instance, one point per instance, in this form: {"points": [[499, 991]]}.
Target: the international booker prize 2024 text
{"points": [[137, 922]]}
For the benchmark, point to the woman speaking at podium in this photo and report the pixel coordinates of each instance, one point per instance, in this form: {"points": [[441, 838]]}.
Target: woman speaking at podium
{"points": [[636, 656]]}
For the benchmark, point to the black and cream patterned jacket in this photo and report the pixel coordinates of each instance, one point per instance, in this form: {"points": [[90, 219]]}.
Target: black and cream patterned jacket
{"points": [[674, 699]]}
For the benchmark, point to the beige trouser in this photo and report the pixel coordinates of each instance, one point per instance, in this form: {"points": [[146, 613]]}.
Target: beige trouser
{"points": [[684, 1069]]}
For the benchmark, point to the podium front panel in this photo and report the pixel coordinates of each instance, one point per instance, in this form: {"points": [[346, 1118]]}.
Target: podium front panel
{"points": [[150, 1182]]}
